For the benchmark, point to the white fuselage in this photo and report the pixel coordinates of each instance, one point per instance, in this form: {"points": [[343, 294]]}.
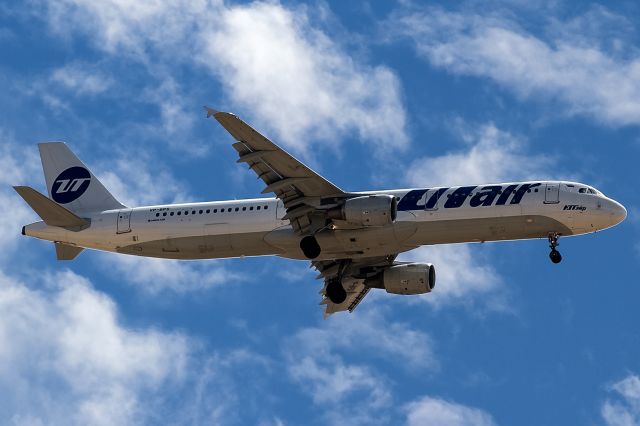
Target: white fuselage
{"points": [[254, 227]]}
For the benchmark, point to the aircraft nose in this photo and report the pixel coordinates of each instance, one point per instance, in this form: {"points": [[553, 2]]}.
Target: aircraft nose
{"points": [[617, 211]]}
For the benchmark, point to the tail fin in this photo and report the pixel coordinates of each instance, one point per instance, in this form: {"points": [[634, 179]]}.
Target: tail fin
{"points": [[71, 183]]}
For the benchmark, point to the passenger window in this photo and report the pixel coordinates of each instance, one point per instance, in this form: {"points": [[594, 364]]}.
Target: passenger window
{"points": [[179, 213], [186, 212], [171, 214], [258, 208], [244, 209], [237, 208], [194, 212], [157, 214], [164, 214], [229, 209], [215, 210], [200, 212], [208, 211], [266, 207], [251, 208]]}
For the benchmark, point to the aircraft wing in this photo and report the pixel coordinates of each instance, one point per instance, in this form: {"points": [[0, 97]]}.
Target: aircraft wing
{"points": [[294, 183], [353, 272]]}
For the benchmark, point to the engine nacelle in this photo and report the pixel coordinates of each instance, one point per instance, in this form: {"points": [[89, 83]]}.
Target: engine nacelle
{"points": [[369, 210], [411, 278]]}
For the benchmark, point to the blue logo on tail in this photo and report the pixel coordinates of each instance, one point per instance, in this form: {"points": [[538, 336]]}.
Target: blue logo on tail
{"points": [[70, 185]]}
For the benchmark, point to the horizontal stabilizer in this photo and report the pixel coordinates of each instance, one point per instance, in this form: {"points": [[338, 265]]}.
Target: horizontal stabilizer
{"points": [[67, 252], [49, 211]]}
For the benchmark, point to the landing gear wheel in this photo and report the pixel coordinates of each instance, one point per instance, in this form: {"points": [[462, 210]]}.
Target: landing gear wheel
{"points": [[555, 256], [310, 247], [336, 292]]}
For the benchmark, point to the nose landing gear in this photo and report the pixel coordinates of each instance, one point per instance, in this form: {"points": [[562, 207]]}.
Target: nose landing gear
{"points": [[555, 255]]}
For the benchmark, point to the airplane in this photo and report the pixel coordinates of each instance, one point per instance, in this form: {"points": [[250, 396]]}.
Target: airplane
{"points": [[351, 238]]}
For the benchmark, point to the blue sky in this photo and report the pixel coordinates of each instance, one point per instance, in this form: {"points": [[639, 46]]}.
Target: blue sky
{"points": [[372, 95]]}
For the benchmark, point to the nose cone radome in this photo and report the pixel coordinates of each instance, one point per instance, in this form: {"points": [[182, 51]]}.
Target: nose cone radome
{"points": [[617, 211]]}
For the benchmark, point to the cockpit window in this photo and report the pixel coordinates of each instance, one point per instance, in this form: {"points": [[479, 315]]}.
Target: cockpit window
{"points": [[587, 191]]}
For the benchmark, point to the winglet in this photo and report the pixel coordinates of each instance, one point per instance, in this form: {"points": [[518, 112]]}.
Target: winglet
{"points": [[210, 111]]}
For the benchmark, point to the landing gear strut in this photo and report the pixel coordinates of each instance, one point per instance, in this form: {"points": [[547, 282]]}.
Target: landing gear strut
{"points": [[555, 255]]}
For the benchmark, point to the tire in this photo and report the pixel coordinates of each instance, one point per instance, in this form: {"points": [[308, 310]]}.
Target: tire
{"points": [[310, 247], [555, 256], [336, 292]]}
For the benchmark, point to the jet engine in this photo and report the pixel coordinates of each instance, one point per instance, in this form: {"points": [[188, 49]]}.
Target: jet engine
{"points": [[410, 278], [369, 210]]}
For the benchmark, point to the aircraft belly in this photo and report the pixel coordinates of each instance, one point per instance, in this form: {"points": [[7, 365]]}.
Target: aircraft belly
{"points": [[487, 229], [342, 243], [354, 243], [203, 247]]}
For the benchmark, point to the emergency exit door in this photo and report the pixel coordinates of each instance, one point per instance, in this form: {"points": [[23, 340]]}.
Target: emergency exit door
{"points": [[124, 221]]}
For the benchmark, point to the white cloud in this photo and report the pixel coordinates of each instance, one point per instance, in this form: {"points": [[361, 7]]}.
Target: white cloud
{"points": [[333, 384], [374, 333], [298, 81], [572, 68], [138, 180], [287, 72], [326, 362], [491, 155], [66, 359], [177, 118], [624, 408], [159, 275], [81, 79], [439, 412], [20, 166]]}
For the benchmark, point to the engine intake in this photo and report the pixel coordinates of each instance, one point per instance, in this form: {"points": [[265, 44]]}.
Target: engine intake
{"points": [[411, 278], [369, 210]]}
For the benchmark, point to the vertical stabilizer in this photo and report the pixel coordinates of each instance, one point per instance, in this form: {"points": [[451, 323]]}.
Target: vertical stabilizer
{"points": [[70, 183]]}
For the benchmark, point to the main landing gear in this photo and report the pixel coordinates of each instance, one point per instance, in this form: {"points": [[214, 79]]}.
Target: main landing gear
{"points": [[335, 291], [555, 255], [310, 247]]}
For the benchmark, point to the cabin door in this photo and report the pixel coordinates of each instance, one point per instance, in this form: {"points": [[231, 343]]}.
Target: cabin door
{"points": [[552, 193], [124, 221]]}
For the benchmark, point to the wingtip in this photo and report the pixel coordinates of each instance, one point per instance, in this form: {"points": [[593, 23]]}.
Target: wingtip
{"points": [[210, 111], [19, 189]]}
